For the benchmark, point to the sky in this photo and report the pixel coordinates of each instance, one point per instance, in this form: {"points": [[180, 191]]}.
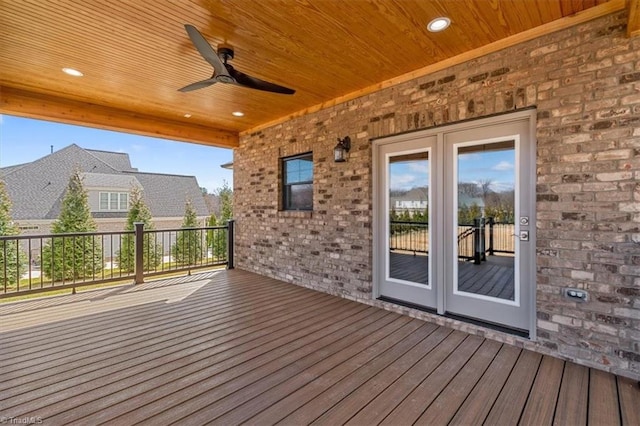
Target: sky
{"points": [[497, 166], [24, 140]]}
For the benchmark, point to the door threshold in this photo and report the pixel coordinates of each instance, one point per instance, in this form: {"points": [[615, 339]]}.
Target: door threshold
{"points": [[407, 304], [497, 327]]}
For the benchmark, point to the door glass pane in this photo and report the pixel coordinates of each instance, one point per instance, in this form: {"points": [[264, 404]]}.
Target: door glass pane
{"points": [[409, 217], [485, 220]]}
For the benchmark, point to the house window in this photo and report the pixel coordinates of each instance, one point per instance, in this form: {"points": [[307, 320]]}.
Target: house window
{"points": [[114, 201], [297, 182]]}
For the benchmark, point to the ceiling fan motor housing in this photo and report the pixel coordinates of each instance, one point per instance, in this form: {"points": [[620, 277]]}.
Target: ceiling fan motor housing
{"points": [[225, 53]]}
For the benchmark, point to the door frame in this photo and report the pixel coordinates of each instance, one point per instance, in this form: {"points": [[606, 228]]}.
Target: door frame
{"points": [[381, 243], [438, 210]]}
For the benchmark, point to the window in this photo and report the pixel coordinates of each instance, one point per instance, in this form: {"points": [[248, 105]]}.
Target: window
{"points": [[114, 201], [297, 182], [124, 201]]}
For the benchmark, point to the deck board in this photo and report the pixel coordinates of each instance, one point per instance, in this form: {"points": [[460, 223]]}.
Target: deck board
{"points": [[346, 360], [444, 407], [476, 407], [339, 381], [541, 404], [603, 399], [89, 367], [573, 397], [234, 347], [167, 386], [508, 406], [338, 407], [628, 398], [410, 409], [237, 386], [493, 277], [379, 407]]}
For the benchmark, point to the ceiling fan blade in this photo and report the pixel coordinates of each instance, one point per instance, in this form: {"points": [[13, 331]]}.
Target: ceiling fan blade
{"points": [[206, 50], [255, 83], [198, 85]]}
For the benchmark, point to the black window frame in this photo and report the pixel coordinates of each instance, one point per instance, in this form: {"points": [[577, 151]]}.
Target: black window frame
{"points": [[286, 199]]}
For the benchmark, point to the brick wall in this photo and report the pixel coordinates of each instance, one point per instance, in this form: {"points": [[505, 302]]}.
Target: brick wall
{"points": [[585, 83]]}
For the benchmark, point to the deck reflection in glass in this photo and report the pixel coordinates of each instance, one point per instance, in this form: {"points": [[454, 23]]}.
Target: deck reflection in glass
{"points": [[485, 217], [409, 217]]}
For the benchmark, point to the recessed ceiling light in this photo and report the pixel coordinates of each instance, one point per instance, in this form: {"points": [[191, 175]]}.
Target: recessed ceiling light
{"points": [[439, 24], [238, 114], [73, 72], [187, 115]]}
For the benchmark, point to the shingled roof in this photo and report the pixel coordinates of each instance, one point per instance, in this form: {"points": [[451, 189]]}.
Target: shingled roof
{"points": [[36, 189], [118, 160]]}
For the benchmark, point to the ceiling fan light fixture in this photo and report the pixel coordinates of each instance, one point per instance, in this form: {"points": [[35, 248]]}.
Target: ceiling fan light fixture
{"points": [[73, 72], [439, 24], [237, 114]]}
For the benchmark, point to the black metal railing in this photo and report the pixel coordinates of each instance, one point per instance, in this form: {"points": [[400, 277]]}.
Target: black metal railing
{"points": [[485, 236], [409, 236], [35, 263], [466, 241], [500, 236], [475, 240]]}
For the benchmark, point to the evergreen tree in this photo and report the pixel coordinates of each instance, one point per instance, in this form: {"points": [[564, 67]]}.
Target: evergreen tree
{"points": [[138, 212], [225, 193], [217, 239], [13, 261], [65, 258], [187, 249]]}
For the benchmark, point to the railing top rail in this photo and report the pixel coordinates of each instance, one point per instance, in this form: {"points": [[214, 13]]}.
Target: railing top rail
{"points": [[69, 234], [202, 228], [404, 222], [94, 233]]}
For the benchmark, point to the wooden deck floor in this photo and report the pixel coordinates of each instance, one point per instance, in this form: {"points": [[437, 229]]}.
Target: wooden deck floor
{"points": [[233, 347], [493, 277]]}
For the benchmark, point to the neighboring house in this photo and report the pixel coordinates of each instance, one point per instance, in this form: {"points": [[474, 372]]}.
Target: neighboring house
{"points": [[213, 203], [468, 201], [37, 189], [415, 199]]}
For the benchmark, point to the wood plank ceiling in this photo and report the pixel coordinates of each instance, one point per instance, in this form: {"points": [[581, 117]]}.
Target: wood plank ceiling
{"points": [[136, 54]]}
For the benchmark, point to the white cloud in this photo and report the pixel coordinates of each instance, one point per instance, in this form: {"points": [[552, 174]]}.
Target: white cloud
{"points": [[502, 166], [501, 186], [419, 167], [405, 181]]}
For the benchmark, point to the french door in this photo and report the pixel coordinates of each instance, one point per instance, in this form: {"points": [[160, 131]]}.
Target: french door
{"points": [[454, 220], [405, 259]]}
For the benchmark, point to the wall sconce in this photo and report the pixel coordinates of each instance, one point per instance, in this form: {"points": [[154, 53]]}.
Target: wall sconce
{"points": [[341, 150]]}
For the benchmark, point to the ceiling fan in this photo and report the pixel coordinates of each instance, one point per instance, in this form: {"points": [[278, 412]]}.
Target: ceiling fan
{"points": [[224, 72]]}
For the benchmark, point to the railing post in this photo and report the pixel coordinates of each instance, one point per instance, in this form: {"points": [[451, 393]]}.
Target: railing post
{"points": [[491, 249], [230, 243], [476, 241], [483, 240], [139, 252]]}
